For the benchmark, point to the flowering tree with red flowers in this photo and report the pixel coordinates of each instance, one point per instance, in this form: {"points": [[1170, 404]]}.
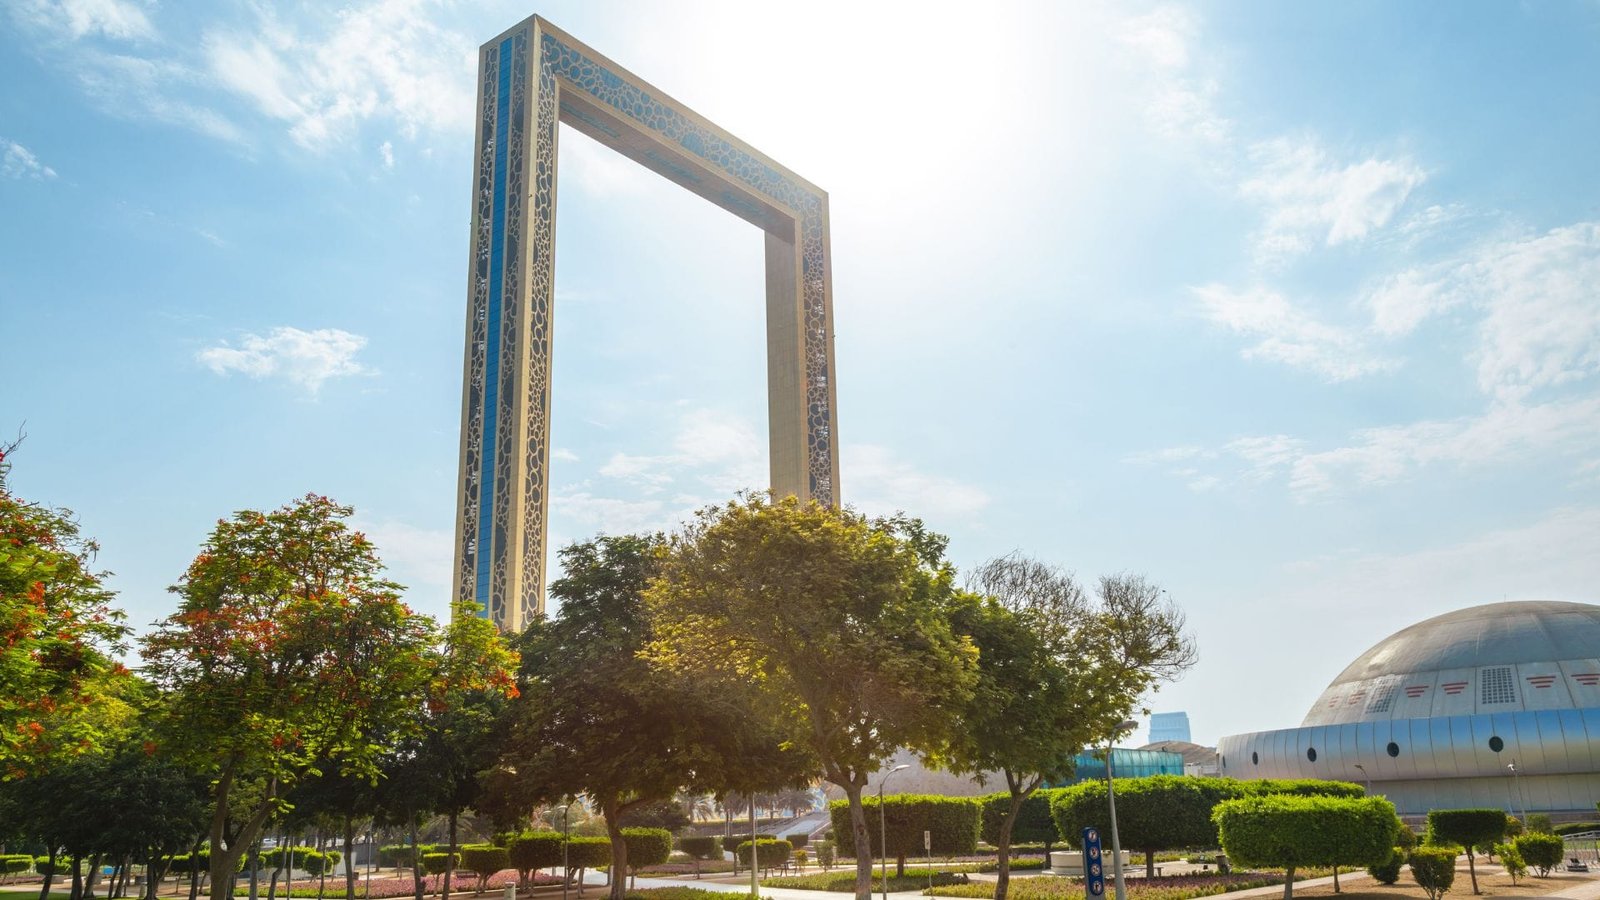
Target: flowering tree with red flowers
{"points": [[289, 650], [58, 634]]}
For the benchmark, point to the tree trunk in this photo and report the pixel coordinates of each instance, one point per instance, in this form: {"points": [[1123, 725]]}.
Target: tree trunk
{"points": [[900, 865], [1336, 878], [92, 880], [619, 851], [44, 892], [77, 878], [1002, 871], [1149, 863], [863, 840], [1471, 870], [450, 858], [1288, 883], [416, 860], [349, 858]]}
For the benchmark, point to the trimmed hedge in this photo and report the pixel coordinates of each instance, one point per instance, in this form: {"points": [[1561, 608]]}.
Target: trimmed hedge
{"points": [[1388, 871], [647, 846], [798, 840], [730, 843], [41, 864], [484, 860], [1541, 851], [1434, 868], [698, 847], [437, 863], [1296, 831], [1034, 825], [1577, 827], [397, 856], [533, 850], [16, 863], [770, 853], [953, 822], [588, 852], [1469, 828]]}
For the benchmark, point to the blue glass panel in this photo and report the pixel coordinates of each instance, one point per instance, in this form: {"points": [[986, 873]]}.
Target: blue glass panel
{"points": [[491, 380]]}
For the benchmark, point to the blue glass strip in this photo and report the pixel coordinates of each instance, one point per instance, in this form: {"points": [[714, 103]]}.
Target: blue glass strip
{"points": [[491, 379]]}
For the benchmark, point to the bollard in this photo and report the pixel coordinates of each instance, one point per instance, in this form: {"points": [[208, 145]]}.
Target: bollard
{"points": [[511, 891]]}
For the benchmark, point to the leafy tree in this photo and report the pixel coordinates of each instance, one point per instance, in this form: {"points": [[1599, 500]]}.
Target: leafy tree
{"points": [[58, 632], [1541, 851], [1434, 868], [765, 853], [951, 824], [1031, 824], [838, 622], [1056, 674], [1469, 828], [698, 849], [647, 847], [1293, 832], [484, 860], [532, 851], [1388, 871], [1159, 812], [597, 719], [288, 649], [1540, 822], [1512, 861]]}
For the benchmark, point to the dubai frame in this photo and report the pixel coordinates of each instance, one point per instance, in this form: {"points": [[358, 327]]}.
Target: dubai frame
{"points": [[529, 79]]}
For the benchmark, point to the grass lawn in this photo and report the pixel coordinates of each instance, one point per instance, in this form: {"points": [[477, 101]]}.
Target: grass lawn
{"points": [[843, 881]]}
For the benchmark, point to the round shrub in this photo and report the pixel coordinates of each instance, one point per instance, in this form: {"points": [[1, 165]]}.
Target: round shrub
{"points": [[484, 860], [1511, 860], [1470, 828], [1434, 868], [798, 840], [1388, 871], [825, 854], [953, 822], [588, 852], [647, 846], [397, 856], [314, 862], [730, 843], [1541, 851], [1294, 831], [698, 847]]}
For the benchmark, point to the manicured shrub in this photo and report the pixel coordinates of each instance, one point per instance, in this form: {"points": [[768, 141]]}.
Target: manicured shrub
{"points": [[800, 858], [825, 854], [1512, 861], [646, 847], [1300, 787], [698, 847], [1296, 831], [1406, 838], [588, 853], [15, 863], [1577, 827], [533, 850], [396, 856], [436, 863], [1540, 823], [1161, 812], [1433, 866], [952, 822], [1388, 871], [730, 843], [484, 860], [798, 840], [1034, 823], [770, 853], [316, 862], [1540, 851], [1469, 828]]}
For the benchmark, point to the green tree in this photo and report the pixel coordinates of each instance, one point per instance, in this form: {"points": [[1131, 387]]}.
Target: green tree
{"points": [[1031, 824], [1292, 832], [1159, 812], [288, 649], [839, 623], [1512, 860], [1469, 828], [1434, 868], [1056, 674], [595, 718], [1541, 851], [950, 823], [58, 631]]}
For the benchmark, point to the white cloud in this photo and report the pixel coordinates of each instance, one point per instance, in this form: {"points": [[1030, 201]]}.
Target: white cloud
{"points": [[304, 358], [76, 19], [1179, 102], [1310, 199], [382, 60], [611, 515], [878, 481], [143, 89], [386, 152], [419, 558], [18, 161], [1288, 334], [563, 454]]}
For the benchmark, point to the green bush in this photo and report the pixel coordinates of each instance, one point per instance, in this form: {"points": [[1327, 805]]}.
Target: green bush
{"points": [[1577, 827], [1388, 871], [316, 862], [397, 856], [825, 854], [798, 840], [533, 850], [588, 852], [770, 853], [1433, 866], [1541, 851], [1300, 787], [1512, 861], [1470, 828], [1406, 838], [1540, 823], [484, 860], [647, 846], [1298, 831], [1161, 812], [952, 821], [1034, 823], [698, 847], [436, 863], [800, 858], [730, 843], [15, 863]]}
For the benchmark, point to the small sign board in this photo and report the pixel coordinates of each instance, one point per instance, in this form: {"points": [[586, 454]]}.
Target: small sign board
{"points": [[1094, 873], [927, 841]]}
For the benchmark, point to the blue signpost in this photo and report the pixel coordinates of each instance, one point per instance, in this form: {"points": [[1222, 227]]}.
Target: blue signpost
{"points": [[1094, 874]]}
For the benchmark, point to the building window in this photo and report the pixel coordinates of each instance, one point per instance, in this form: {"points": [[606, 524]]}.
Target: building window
{"points": [[1393, 749], [1496, 744], [1383, 696], [1311, 754], [1496, 685], [1254, 759]]}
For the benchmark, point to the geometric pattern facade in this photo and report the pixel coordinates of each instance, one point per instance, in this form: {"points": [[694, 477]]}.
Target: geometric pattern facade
{"points": [[530, 79]]}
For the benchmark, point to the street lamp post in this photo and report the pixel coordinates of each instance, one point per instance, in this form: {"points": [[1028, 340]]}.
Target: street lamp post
{"points": [[883, 829], [1521, 798], [1111, 800], [566, 838]]}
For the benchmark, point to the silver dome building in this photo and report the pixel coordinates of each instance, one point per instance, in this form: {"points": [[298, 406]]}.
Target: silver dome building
{"points": [[1495, 705]]}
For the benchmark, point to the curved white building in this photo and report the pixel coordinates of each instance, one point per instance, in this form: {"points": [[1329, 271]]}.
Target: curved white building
{"points": [[1495, 705]]}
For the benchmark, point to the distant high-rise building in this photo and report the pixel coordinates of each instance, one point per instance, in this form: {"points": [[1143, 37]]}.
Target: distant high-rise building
{"points": [[1172, 726]]}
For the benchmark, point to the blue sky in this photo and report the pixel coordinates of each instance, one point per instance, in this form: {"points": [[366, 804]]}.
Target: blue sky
{"points": [[1291, 307]]}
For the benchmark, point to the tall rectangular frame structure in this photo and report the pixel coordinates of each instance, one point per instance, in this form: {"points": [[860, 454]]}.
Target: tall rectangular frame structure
{"points": [[531, 78]]}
